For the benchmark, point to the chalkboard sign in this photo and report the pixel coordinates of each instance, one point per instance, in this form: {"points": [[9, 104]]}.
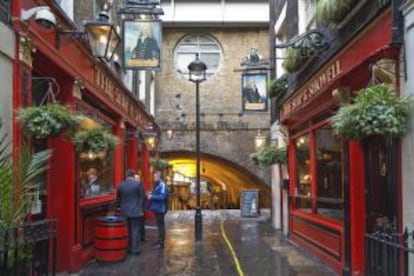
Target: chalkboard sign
{"points": [[249, 203]]}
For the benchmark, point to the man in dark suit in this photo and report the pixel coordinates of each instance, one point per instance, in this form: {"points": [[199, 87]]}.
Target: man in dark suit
{"points": [[130, 195]]}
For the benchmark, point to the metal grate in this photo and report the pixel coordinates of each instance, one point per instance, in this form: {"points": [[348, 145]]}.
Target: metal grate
{"points": [[29, 249], [387, 252]]}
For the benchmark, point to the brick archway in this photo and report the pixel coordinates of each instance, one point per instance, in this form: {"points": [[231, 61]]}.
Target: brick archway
{"points": [[225, 178]]}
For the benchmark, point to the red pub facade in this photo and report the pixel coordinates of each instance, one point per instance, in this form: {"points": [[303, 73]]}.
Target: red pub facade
{"points": [[88, 87], [339, 189]]}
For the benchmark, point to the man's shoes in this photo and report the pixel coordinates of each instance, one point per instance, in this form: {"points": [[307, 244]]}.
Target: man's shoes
{"points": [[159, 246], [134, 252]]}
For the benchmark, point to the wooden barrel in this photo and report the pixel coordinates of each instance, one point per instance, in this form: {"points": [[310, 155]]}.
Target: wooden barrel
{"points": [[111, 239]]}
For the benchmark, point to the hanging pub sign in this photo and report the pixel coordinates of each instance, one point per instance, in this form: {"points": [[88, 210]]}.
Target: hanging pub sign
{"points": [[142, 42], [254, 92]]}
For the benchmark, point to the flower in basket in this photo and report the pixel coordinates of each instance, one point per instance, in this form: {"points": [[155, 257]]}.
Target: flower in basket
{"points": [[376, 110], [269, 155], [95, 140], [159, 164], [44, 121]]}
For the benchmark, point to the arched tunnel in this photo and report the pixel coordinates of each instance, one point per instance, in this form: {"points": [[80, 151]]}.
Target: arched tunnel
{"points": [[221, 182]]}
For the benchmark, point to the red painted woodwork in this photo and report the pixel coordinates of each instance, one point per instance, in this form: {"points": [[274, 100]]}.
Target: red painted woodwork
{"points": [[322, 237], [118, 156], [357, 206], [133, 154], [333, 263], [146, 173], [111, 240]]}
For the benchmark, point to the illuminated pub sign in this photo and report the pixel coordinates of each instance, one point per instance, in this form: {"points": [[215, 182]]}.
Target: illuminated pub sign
{"points": [[142, 44], [313, 88]]}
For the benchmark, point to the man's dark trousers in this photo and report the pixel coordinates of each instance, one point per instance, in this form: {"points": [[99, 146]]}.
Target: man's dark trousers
{"points": [[159, 217], [142, 227], [134, 236]]}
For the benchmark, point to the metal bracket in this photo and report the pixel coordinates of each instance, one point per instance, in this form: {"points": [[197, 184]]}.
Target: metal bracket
{"points": [[314, 40]]}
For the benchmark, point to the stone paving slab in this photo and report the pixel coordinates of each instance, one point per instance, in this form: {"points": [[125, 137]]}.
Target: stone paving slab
{"points": [[258, 248]]}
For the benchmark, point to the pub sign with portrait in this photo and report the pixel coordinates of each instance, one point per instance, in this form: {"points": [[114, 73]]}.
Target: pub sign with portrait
{"points": [[142, 44]]}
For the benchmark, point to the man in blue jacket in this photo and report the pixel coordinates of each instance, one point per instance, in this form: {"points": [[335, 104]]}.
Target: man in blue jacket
{"points": [[130, 195], [158, 203]]}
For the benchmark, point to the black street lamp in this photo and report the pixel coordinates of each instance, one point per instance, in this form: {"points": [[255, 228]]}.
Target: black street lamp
{"points": [[197, 73]]}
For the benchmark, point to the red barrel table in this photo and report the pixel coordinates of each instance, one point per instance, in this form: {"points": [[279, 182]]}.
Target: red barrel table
{"points": [[111, 239]]}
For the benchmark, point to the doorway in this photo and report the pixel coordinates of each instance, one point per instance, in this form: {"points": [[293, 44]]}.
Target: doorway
{"points": [[381, 182]]}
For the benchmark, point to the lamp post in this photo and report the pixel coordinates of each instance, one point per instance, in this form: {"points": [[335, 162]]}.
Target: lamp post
{"points": [[197, 73]]}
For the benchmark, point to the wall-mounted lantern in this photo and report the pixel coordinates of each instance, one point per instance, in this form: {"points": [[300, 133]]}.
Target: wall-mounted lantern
{"points": [[259, 140]]}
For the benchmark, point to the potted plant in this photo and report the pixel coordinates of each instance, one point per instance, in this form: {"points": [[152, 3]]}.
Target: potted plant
{"points": [[269, 155], [159, 164], [375, 110], [278, 87], [95, 140], [45, 121], [332, 12]]}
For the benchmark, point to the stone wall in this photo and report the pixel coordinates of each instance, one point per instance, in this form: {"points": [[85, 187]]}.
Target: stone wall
{"points": [[225, 131]]}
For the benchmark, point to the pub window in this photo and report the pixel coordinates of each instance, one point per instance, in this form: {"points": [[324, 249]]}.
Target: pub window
{"points": [[328, 172], [318, 167], [95, 169], [303, 175]]}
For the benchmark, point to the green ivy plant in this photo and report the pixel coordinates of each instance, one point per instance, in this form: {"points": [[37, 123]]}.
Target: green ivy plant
{"points": [[159, 164], [269, 155], [278, 87], [375, 110], [332, 12], [95, 140], [45, 121]]}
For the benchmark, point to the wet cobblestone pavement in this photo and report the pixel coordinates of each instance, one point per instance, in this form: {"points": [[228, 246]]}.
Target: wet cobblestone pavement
{"points": [[259, 249]]}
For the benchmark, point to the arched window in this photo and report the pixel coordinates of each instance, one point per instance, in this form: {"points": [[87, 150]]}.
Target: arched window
{"points": [[207, 47]]}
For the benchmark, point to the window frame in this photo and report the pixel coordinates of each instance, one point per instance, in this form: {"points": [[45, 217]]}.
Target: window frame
{"points": [[210, 72], [310, 128]]}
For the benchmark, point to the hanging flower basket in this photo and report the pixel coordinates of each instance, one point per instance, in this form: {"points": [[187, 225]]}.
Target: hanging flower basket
{"points": [[159, 164], [332, 12], [375, 110], [296, 57], [278, 87], [95, 141], [45, 121], [269, 155]]}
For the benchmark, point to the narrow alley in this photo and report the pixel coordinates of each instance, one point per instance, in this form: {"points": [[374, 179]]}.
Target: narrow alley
{"points": [[257, 250]]}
